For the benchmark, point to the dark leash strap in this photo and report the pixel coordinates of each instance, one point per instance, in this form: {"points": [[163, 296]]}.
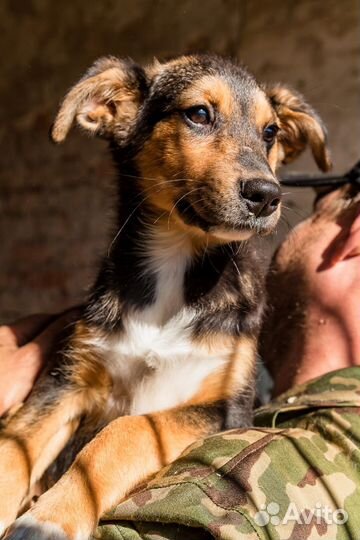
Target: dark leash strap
{"points": [[334, 181]]}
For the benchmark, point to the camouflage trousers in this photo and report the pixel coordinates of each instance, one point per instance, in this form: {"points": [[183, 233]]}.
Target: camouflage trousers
{"points": [[294, 476]]}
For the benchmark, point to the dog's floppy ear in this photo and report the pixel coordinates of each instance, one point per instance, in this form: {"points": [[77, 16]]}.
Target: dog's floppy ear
{"points": [[300, 126], [105, 101]]}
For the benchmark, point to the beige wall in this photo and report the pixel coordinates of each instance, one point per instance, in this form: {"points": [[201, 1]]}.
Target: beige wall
{"points": [[55, 202]]}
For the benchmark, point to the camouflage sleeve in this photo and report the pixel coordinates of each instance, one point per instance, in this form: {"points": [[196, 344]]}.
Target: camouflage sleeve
{"points": [[294, 476]]}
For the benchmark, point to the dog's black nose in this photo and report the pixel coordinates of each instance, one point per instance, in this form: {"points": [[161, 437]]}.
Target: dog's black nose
{"points": [[262, 197]]}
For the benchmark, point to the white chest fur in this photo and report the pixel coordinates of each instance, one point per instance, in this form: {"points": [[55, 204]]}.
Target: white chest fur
{"points": [[153, 362]]}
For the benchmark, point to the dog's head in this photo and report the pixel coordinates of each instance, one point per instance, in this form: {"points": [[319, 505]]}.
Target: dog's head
{"points": [[203, 137]]}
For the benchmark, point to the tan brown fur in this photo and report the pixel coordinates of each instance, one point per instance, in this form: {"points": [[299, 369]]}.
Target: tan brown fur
{"points": [[103, 98], [89, 374], [210, 90], [263, 113], [232, 378], [92, 479], [171, 324], [213, 162], [32, 443], [299, 126], [210, 162]]}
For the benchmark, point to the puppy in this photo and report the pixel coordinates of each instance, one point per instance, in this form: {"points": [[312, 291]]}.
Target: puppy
{"points": [[165, 350]]}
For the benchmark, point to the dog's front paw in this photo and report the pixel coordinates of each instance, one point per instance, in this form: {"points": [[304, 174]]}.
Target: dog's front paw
{"points": [[28, 527]]}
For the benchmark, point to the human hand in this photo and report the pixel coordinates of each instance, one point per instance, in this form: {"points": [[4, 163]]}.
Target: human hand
{"points": [[24, 348]]}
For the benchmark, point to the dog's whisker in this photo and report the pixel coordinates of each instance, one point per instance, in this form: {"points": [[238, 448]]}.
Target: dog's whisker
{"points": [[160, 217], [125, 223], [296, 211], [180, 199], [163, 181], [205, 250], [240, 248], [136, 208], [236, 266]]}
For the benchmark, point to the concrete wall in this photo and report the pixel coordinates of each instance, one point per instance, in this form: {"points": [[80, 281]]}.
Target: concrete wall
{"points": [[55, 202]]}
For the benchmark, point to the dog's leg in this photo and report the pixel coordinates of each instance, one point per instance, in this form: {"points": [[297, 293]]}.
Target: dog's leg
{"points": [[74, 384], [122, 455], [30, 442]]}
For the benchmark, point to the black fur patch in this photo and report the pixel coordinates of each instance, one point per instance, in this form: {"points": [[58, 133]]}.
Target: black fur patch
{"points": [[217, 274], [122, 283]]}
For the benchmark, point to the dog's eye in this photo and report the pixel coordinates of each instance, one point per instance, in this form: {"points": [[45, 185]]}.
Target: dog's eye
{"points": [[198, 115], [270, 133]]}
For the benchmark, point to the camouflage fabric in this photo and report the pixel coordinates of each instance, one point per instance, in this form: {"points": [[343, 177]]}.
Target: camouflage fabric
{"points": [[295, 476]]}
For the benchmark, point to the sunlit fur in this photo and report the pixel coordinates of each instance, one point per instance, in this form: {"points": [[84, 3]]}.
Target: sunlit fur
{"points": [[165, 349]]}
